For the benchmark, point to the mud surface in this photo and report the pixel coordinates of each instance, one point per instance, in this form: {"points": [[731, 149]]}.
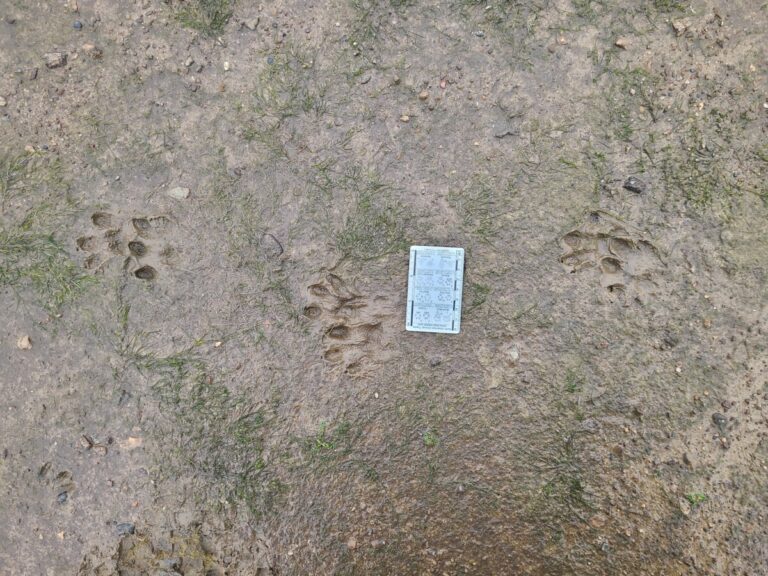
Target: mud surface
{"points": [[205, 214]]}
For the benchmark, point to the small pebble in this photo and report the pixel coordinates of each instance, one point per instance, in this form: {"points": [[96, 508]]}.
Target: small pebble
{"points": [[77, 25], [55, 59], [622, 43], [634, 185], [125, 528], [62, 497], [3, 102], [423, 95], [227, 66], [405, 118], [24, 343], [719, 419], [178, 193], [270, 59], [92, 51]]}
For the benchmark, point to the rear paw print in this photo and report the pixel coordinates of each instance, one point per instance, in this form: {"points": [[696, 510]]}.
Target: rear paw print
{"points": [[62, 483], [113, 238], [350, 325], [625, 261]]}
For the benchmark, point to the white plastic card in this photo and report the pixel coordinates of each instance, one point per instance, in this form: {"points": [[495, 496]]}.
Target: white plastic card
{"points": [[435, 282]]}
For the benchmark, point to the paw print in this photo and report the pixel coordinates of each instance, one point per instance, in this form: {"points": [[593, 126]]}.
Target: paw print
{"points": [[135, 240]]}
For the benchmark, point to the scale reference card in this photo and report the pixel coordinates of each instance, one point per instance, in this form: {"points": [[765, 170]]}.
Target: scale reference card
{"points": [[435, 282]]}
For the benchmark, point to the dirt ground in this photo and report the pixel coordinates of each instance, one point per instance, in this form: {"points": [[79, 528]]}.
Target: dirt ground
{"points": [[205, 214]]}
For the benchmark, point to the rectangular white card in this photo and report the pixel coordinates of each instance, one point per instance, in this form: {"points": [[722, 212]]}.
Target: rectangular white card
{"points": [[435, 282]]}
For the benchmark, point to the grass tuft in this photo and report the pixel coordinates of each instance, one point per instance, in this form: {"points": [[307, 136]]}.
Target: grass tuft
{"points": [[36, 261], [375, 225], [206, 16], [33, 204]]}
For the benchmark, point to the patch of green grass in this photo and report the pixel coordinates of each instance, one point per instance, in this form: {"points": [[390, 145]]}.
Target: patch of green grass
{"points": [[696, 499], [326, 443], [35, 203], [37, 261], [479, 206], [268, 136], [206, 16], [15, 171], [573, 381], [477, 295], [670, 5], [430, 438], [586, 8], [375, 225], [212, 432], [514, 22], [697, 169], [286, 86], [209, 432], [563, 493]]}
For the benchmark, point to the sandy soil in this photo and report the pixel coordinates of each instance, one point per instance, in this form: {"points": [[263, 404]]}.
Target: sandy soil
{"points": [[205, 214]]}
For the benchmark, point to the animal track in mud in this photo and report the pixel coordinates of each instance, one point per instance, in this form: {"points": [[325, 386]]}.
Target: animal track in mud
{"points": [[134, 242], [140, 553], [625, 260], [351, 323]]}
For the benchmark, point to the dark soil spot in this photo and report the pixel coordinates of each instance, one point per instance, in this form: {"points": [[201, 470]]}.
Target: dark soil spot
{"points": [[339, 332], [102, 219], [137, 248], [312, 311], [146, 273]]}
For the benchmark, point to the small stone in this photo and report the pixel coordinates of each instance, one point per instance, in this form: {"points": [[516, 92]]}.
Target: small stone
{"points": [[24, 343], [92, 51], [352, 543], [479, 33], [634, 185], [132, 442], [77, 25], [73, 5], [423, 95], [511, 355], [365, 79], [719, 420], [55, 59], [178, 193], [251, 23], [101, 450], [227, 66], [125, 528], [31, 73], [188, 62], [62, 497], [3, 102], [622, 43], [405, 118], [680, 26]]}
